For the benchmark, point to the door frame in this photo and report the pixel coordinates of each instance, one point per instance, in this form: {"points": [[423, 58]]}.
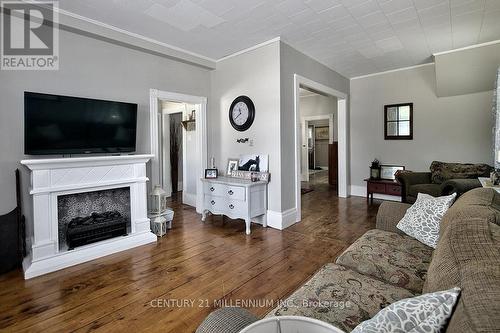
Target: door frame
{"points": [[304, 124], [155, 95], [343, 190]]}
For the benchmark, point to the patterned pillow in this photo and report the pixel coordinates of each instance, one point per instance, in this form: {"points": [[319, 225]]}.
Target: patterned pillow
{"points": [[422, 219], [425, 313]]}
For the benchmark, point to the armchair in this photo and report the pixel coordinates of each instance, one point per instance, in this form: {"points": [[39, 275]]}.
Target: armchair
{"points": [[443, 179]]}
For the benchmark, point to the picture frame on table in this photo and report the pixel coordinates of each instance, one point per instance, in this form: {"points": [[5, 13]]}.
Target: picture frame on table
{"points": [[388, 172], [232, 165], [211, 173], [254, 162]]}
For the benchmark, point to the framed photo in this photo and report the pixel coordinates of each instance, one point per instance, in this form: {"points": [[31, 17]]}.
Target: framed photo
{"points": [[232, 165], [322, 133], [388, 171], [211, 173], [259, 163]]}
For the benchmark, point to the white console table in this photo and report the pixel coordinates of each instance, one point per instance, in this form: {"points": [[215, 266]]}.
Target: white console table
{"points": [[235, 198]]}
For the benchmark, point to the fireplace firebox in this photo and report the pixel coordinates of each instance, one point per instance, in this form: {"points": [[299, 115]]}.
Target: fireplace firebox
{"points": [[94, 228]]}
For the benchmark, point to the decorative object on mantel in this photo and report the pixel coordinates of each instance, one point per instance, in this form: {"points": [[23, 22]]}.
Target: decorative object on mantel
{"points": [[388, 172], [375, 169], [242, 140], [241, 113], [157, 200], [211, 173]]}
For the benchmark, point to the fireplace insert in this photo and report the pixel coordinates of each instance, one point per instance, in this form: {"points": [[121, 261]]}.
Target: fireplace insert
{"points": [[94, 228]]}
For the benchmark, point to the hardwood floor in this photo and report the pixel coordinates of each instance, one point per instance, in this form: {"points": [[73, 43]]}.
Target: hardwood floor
{"points": [[171, 286]]}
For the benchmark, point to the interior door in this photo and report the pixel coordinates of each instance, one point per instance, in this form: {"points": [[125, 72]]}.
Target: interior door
{"points": [[304, 156]]}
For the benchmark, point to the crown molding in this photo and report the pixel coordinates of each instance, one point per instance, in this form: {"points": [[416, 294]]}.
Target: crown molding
{"points": [[251, 48], [392, 71], [467, 47]]}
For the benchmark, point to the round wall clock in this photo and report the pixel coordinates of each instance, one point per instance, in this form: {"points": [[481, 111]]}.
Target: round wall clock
{"points": [[241, 113]]}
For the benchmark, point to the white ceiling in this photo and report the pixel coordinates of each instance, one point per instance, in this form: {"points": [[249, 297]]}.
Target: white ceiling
{"points": [[353, 37]]}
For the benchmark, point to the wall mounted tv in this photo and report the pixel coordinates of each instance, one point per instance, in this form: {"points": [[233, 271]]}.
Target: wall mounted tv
{"points": [[72, 125]]}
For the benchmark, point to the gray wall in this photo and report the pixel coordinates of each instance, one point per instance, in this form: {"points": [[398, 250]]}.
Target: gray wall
{"points": [[454, 129], [294, 62], [89, 68], [255, 74]]}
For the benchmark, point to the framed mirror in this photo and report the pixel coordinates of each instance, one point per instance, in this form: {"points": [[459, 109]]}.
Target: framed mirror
{"points": [[398, 121]]}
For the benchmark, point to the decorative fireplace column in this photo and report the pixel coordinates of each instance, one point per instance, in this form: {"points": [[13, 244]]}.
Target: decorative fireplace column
{"points": [[51, 178]]}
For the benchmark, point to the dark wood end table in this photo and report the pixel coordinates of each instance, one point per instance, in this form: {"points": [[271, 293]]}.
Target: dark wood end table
{"points": [[382, 186]]}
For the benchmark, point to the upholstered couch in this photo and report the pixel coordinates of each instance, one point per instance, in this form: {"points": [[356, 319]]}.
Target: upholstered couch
{"points": [[384, 266], [443, 179]]}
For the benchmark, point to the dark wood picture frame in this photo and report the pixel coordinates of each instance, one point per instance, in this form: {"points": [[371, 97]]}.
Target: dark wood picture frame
{"points": [[397, 121]]}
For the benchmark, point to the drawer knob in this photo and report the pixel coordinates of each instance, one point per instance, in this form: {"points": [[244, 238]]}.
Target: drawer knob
{"points": [[231, 206], [212, 189], [212, 202], [230, 192]]}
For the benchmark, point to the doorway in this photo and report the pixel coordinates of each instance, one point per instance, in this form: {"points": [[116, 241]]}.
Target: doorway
{"points": [[318, 113], [338, 147], [178, 144], [178, 150]]}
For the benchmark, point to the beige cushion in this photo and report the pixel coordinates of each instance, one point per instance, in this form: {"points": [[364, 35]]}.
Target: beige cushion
{"points": [[468, 257], [347, 297], [392, 258]]}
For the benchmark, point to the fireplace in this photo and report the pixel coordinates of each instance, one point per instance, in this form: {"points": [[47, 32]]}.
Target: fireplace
{"points": [[72, 189], [90, 213]]}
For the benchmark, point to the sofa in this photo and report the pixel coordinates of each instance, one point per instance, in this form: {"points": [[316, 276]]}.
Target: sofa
{"points": [[442, 179], [384, 266]]}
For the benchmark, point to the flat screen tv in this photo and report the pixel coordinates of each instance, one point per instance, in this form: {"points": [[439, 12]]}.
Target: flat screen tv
{"points": [[72, 125]]}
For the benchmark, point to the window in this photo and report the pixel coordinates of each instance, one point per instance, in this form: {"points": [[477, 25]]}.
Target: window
{"points": [[398, 121]]}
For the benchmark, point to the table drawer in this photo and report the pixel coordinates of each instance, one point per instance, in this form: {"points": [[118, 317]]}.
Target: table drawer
{"points": [[375, 187], [393, 189], [236, 208], [225, 191]]}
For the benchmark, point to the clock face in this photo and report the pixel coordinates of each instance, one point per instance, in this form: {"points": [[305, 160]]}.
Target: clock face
{"points": [[241, 113]]}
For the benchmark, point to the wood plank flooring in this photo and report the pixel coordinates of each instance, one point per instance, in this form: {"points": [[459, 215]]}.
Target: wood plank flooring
{"points": [[171, 286]]}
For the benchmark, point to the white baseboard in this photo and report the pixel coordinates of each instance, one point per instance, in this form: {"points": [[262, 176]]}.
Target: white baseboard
{"points": [[84, 254], [360, 191], [189, 199], [281, 220]]}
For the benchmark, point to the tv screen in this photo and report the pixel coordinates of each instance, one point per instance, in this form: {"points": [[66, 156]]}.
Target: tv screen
{"points": [[71, 125]]}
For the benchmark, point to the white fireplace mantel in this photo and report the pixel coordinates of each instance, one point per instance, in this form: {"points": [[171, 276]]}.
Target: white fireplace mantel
{"points": [[53, 177]]}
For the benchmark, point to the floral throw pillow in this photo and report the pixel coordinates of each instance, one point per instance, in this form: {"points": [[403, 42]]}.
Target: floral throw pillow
{"points": [[427, 313], [423, 218]]}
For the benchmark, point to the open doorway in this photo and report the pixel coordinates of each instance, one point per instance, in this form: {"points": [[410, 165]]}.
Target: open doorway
{"points": [[318, 114], [178, 145], [338, 148], [178, 150]]}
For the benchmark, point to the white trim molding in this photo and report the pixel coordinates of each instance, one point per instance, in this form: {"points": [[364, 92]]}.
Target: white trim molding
{"points": [[248, 49], [392, 71], [467, 47], [360, 191], [281, 220]]}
